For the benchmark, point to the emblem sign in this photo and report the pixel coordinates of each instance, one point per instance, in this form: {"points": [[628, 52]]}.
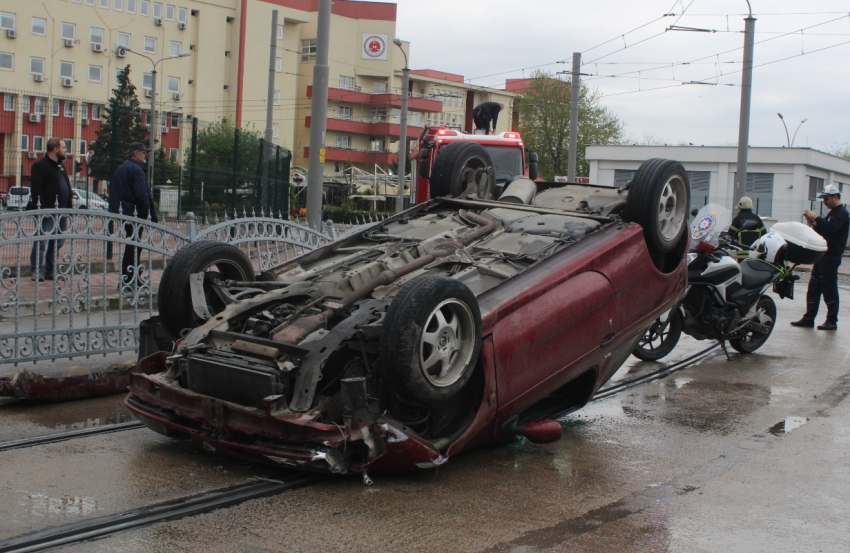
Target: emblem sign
{"points": [[705, 226], [374, 47]]}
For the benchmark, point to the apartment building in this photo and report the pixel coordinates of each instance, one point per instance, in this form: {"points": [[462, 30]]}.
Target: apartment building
{"points": [[59, 60]]}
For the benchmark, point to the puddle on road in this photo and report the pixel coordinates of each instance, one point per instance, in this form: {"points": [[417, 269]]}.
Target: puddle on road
{"points": [[783, 427], [42, 505], [116, 418]]}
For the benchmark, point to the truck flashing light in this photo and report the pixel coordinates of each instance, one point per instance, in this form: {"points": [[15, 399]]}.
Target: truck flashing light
{"points": [[512, 135], [446, 132]]}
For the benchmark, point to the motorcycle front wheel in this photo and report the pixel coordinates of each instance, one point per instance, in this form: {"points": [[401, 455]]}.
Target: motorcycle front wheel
{"points": [[757, 332], [661, 337]]}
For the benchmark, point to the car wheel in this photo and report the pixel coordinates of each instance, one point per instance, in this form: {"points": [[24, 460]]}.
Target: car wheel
{"points": [[754, 339], [658, 200], [175, 296], [456, 168], [431, 340], [660, 339]]}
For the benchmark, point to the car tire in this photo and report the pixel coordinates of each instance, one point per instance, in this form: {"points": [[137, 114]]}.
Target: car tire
{"points": [[751, 341], [665, 334], [455, 168], [175, 296], [659, 200], [431, 340]]}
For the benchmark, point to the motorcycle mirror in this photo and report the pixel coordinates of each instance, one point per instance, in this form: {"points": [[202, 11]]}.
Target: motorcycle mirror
{"points": [[694, 212]]}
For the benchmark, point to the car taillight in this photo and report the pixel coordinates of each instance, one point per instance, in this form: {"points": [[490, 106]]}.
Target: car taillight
{"points": [[705, 247], [511, 135], [446, 132]]}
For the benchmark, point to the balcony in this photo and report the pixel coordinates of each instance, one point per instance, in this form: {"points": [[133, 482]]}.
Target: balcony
{"points": [[374, 126], [355, 95], [333, 153]]}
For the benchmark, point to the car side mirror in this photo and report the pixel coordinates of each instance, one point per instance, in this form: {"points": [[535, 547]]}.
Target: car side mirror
{"points": [[694, 212], [532, 171], [532, 157]]}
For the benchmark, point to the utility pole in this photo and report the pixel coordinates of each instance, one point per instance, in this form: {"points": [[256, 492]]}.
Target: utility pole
{"points": [[267, 143], [402, 135], [152, 129], [746, 97], [319, 118], [575, 94]]}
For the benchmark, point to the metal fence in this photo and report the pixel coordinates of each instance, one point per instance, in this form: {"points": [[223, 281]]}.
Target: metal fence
{"points": [[85, 308]]}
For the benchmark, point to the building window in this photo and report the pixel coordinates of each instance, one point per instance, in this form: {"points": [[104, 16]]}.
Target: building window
{"points": [[379, 115], [37, 143], [68, 145], [37, 66], [622, 177], [84, 111], [278, 65], [174, 84], [104, 4], [69, 109], [172, 155], [56, 108], [380, 88], [147, 81], [275, 130], [169, 13], [39, 26], [308, 50], [25, 104], [131, 6], [66, 69], [39, 106], [346, 83], [157, 10], [90, 2], [150, 45], [182, 14], [759, 187], [83, 145], [95, 73], [175, 120], [377, 145], [280, 32], [145, 8], [96, 35], [700, 185], [124, 40], [815, 186], [95, 113], [8, 102], [277, 97], [118, 73], [119, 5], [344, 112], [25, 142], [174, 48], [343, 141], [69, 31], [7, 21]]}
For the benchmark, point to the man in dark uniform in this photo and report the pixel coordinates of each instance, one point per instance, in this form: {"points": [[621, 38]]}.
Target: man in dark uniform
{"points": [[824, 281], [485, 113], [129, 194], [50, 189]]}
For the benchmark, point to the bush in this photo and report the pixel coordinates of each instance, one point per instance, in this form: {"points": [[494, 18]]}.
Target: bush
{"points": [[347, 213]]}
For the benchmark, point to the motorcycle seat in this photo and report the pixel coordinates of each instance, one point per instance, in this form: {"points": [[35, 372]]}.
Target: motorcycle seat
{"points": [[755, 274]]}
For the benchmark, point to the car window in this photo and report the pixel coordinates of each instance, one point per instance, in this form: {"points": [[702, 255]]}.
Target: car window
{"points": [[507, 162], [19, 191]]}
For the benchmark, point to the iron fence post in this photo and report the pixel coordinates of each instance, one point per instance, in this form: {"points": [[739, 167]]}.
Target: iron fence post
{"points": [[192, 162], [235, 168], [191, 227]]}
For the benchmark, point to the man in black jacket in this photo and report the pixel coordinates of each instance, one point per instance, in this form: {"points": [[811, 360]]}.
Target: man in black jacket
{"points": [[824, 280], [129, 194], [484, 114], [50, 188]]}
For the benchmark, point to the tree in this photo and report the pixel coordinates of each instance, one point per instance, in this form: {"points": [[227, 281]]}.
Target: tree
{"points": [[544, 121], [125, 116], [166, 170]]}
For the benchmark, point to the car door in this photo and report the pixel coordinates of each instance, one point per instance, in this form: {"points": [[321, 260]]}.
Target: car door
{"points": [[553, 339]]}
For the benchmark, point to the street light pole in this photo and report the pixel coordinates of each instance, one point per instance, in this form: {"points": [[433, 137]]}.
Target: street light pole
{"points": [[402, 134], [319, 117], [746, 97], [787, 136], [793, 138]]}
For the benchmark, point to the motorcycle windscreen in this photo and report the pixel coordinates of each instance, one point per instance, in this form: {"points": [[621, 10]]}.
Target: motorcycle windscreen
{"points": [[710, 223]]}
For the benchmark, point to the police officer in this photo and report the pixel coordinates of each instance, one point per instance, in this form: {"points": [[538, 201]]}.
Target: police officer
{"points": [[736, 230], [824, 280]]}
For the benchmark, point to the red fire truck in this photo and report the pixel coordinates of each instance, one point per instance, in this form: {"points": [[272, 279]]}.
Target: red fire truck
{"points": [[450, 160]]}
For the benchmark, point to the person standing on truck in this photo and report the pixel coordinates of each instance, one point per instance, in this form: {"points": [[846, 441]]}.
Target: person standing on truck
{"points": [[129, 195], [484, 114], [736, 229], [824, 280], [50, 189]]}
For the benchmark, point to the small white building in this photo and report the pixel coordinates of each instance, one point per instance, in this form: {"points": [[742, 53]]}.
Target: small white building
{"points": [[781, 181]]}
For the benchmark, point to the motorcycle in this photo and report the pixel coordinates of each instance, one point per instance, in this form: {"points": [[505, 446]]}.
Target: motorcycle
{"points": [[727, 300]]}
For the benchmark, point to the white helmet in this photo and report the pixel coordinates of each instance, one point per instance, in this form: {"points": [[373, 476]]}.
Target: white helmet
{"points": [[770, 247]]}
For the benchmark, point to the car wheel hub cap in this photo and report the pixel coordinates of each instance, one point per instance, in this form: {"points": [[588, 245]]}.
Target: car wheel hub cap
{"points": [[671, 209], [446, 344]]}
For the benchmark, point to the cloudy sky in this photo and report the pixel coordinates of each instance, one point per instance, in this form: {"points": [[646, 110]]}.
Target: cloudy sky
{"points": [[488, 41]]}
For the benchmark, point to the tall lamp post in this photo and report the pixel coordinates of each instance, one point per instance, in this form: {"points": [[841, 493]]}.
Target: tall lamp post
{"points": [[402, 134], [152, 121], [791, 139]]}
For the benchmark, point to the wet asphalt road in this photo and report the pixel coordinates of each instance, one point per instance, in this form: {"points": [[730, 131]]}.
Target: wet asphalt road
{"points": [[701, 461]]}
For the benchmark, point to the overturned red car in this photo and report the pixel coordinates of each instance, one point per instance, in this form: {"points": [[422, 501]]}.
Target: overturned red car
{"points": [[465, 321]]}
